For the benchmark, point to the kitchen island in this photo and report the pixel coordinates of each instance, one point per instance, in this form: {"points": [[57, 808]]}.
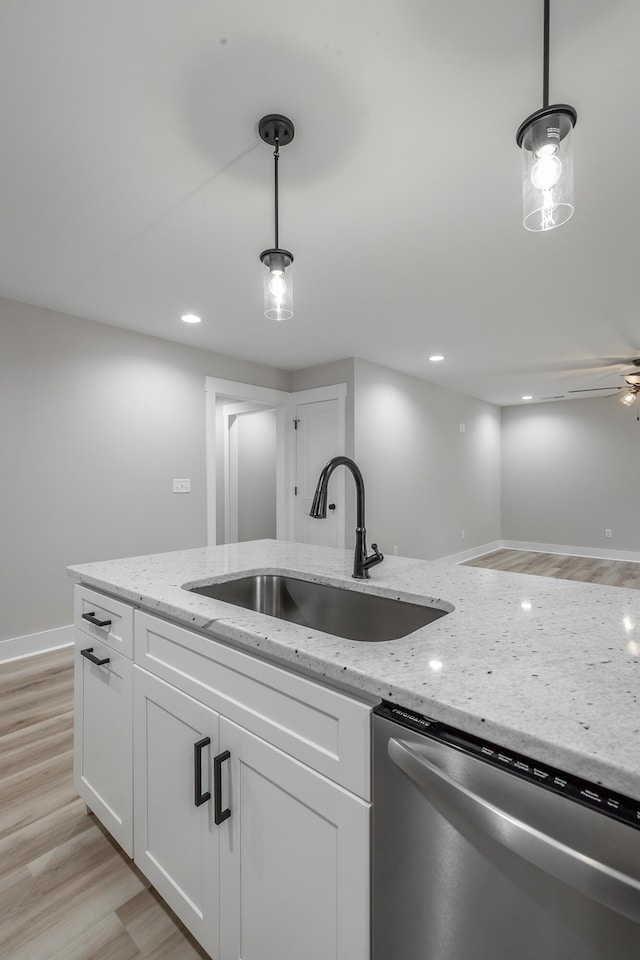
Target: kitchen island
{"points": [[549, 668]]}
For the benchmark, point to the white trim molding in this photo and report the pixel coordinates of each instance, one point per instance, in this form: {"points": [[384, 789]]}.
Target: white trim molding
{"points": [[596, 553], [15, 648], [473, 552]]}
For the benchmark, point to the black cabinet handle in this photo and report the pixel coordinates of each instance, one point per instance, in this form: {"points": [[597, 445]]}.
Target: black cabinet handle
{"points": [[91, 617], [88, 653], [219, 815], [199, 797]]}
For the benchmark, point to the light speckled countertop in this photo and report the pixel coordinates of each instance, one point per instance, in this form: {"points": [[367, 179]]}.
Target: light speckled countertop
{"points": [[550, 668]]}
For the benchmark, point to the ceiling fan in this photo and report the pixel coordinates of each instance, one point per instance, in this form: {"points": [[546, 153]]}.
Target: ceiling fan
{"points": [[632, 381], [631, 378], [631, 385]]}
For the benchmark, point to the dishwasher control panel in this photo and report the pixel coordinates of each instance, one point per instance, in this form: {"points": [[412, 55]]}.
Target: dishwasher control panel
{"points": [[590, 794]]}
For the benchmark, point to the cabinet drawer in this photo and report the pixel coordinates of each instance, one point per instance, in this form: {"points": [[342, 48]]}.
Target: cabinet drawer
{"points": [[322, 728], [116, 616], [103, 766]]}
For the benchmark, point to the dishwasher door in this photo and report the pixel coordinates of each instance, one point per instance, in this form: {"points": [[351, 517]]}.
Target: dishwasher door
{"points": [[473, 863]]}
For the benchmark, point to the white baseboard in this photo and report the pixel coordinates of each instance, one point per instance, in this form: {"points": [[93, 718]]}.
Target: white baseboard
{"points": [[473, 552], [597, 553], [18, 647]]}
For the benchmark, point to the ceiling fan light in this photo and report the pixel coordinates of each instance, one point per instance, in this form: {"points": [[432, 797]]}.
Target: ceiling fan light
{"points": [[629, 398]]}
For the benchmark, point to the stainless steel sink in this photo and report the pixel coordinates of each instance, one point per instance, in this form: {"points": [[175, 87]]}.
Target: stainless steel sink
{"points": [[343, 613]]}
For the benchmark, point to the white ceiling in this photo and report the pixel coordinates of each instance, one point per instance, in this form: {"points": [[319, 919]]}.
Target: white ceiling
{"points": [[134, 187]]}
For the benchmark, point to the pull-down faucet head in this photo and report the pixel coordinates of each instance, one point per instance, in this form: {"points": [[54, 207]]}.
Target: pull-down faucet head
{"points": [[361, 562]]}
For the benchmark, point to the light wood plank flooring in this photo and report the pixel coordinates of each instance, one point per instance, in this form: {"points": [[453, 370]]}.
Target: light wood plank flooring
{"points": [[67, 892], [614, 573]]}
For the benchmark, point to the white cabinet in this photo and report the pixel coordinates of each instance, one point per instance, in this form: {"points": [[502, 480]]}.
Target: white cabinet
{"points": [[102, 738], [176, 840], [166, 745], [294, 859], [102, 761], [284, 873]]}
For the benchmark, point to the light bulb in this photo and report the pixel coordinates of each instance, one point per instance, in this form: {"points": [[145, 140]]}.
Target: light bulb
{"points": [[546, 172], [629, 398], [277, 286], [547, 150]]}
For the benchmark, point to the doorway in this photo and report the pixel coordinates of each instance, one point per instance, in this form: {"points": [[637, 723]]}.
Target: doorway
{"points": [[250, 489], [265, 450]]}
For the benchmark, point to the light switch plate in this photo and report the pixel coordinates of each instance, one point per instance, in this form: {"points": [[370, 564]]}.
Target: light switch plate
{"points": [[182, 486]]}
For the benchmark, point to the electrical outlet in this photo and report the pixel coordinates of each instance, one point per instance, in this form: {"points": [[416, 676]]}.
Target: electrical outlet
{"points": [[182, 486], [608, 534], [395, 550], [462, 535], [462, 428]]}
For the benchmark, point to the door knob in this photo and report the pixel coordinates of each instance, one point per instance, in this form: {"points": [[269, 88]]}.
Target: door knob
{"points": [[332, 506]]}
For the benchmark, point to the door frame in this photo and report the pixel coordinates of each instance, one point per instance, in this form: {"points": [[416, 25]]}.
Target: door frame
{"points": [[284, 402], [218, 391]]}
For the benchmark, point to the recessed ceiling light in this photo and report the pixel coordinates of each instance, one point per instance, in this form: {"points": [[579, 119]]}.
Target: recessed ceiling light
{"points": [[527, 398], [436, 358], [190, 318]]}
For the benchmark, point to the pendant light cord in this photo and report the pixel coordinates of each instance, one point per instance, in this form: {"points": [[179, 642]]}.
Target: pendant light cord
{"points": [[545, 57], [276, 157]]}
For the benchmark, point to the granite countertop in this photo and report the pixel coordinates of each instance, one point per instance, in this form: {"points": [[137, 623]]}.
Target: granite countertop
{"points": [[550, 668]]}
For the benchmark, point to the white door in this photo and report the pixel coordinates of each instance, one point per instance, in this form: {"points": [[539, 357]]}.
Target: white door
{"points": [[294, 859], [319, 436], [176, 840]]}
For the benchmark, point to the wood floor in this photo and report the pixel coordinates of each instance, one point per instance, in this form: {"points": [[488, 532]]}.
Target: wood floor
{"points": [[66, 890], [614, 573]]}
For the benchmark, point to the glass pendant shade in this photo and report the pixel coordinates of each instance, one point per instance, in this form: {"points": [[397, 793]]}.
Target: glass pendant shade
{"points": [[278, 284], [547, 167]]}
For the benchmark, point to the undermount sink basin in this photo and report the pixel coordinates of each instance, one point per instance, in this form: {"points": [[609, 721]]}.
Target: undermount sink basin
{"points": [[344, 613]]}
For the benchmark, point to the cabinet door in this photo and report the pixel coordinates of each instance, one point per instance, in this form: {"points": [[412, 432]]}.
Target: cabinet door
{"points": [[176, 839], [294, 859], [102, 736]]}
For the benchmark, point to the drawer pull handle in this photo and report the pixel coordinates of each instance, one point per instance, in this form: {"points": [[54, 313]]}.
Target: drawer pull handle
{"points": [[219, 815], [199, 796], [91, 617], [88, 653]]}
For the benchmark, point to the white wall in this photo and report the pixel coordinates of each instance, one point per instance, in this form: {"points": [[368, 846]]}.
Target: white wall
{"points": [[95, 422], [570, 470], [425, 481]]}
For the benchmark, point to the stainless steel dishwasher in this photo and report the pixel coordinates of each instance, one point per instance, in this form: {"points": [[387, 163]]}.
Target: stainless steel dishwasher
{"points": [[480, 853]]}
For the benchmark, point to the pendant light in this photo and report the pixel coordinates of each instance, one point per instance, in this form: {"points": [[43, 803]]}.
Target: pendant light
{"points": [[547, 162], [277, 131]]}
